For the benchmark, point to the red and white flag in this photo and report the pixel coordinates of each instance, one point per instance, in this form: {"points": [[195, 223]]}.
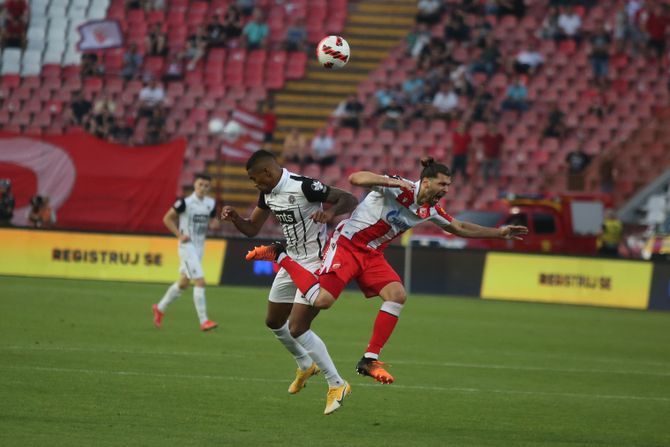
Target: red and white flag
{"points": [[99, 35], [240, 145]]}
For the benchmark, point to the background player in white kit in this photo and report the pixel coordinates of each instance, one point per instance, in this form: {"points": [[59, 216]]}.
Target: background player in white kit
{"points": [[296, 202], [189, 219]]}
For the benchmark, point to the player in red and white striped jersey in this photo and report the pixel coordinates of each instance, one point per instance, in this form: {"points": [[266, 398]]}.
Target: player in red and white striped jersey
{"points": [[356, 250]]}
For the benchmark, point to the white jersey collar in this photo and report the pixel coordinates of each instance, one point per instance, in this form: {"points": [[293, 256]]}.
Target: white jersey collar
{"points": [[282, 181]]}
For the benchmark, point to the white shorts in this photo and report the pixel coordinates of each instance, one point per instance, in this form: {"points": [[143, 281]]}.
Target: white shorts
{"points": [[190, 263], [284, 290]]}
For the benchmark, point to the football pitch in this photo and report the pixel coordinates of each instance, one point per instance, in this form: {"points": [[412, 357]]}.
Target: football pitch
{"points": [[81, 364]]}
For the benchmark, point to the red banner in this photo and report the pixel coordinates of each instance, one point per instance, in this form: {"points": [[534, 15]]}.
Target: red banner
{"points": [[93, 184]]}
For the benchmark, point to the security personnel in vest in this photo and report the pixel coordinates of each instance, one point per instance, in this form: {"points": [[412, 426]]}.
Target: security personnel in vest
{"points": [[611, 235]]}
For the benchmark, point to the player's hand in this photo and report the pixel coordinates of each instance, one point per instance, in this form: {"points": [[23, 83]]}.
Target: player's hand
{"points": [[321, 216], [515, 232], [228, 213], [184, 238], [398, 183]]}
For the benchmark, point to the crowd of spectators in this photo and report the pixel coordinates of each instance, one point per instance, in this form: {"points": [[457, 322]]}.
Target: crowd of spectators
{"points": [[14, 15]]}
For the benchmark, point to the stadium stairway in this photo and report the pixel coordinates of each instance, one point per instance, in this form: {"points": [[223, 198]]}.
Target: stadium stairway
{"points": [[373, 29]]}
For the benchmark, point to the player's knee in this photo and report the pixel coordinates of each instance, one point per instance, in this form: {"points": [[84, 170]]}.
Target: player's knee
{"points": [[297, 328], [398, 296], [199, 282], [324, 301], [274, 323], [182, 283]]}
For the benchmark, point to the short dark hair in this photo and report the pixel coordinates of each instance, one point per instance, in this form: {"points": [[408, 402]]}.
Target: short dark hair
{"points": [[203, 176], [259, 156], [431, 169]]}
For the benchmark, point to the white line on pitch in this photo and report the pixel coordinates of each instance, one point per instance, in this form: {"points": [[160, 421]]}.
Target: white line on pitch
{"points": [[397, 386], [397, 362]]}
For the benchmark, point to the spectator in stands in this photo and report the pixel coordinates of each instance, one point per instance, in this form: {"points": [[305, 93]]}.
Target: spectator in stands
{"points": [[417, 39], [216, 35], [232, 24], [269, 121], [151, 96], [491, 142], [246, 7], [461, 140], [434, 54], [599, 106], [482, 105], [456, 28], [174, 71], [412, 87], [555, 127], [256, 31], [196, 46], [296, 35], [481, 31], [429, 11], [295, 146], [156, 127], [40, 214], [121, 131], [516, 8], [90, 65], [516, 96], [102, 120], [569, 24], [6, 202], [17, 9], [79, 109], [323, 149], [132, 62], [600, 54], [529, 60], [14, 33], [577, 162], [654, 20], [445, 102], [383, 96], [489, 58], [350, 113], [392, 117], [155, 41], [550, 28]]}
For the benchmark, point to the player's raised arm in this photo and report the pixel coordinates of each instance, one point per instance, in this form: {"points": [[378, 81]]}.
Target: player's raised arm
{"points": [[369, 179], [472, 230], [249, 226]]}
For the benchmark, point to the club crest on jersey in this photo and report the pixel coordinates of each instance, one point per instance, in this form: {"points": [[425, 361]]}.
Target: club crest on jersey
{"points": [[317, 186], [291, 199], [423, 212]]}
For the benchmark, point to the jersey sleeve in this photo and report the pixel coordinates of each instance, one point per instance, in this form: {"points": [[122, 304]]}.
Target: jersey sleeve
{"points": [[261, 202], [179, 206], [314, 190], [441, 217]]}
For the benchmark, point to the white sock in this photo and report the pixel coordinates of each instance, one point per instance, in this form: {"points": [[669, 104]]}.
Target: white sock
{"points": [[319, 353], [173, 292], [392, 308], [301, 356], [200, 304]]}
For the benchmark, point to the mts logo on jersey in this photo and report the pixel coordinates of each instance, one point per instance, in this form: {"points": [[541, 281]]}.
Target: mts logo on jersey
{"points": [[286, 217]]}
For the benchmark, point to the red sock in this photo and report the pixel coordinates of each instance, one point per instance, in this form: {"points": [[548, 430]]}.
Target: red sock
{"points": [[382, 330], [303, 278]]}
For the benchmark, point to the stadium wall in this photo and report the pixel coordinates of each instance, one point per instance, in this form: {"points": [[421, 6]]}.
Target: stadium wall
{"points": [[475, 274]]}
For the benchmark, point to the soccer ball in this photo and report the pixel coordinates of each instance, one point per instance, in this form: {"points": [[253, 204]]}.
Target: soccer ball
{"points": [[215, 126], [333, 52]]}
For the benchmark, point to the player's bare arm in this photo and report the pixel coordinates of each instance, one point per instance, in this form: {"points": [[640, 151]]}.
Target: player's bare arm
{"points": [[249, 226], [471, 230], [171, 221], [342, 202], [369, 179]]}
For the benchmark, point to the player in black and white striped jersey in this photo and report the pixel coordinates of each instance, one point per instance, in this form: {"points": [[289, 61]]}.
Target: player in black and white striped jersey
{"points": [[296, 202], [189, 219]]}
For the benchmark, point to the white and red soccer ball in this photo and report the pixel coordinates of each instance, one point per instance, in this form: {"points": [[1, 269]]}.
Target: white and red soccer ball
{"points": [[333, 52]]}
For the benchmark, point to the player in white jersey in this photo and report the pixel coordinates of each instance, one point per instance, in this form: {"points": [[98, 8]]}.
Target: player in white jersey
{"points": [[296, 202], [356, 249], [189, 219]]}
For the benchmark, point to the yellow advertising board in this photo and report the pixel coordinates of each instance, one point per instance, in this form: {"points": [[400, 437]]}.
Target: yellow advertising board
{"points": [[561, 279], [100, 256]]}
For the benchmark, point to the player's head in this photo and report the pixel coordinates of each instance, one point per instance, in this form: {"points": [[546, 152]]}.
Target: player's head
{"points": [[264, 170], [202, 184], [435, 181]]}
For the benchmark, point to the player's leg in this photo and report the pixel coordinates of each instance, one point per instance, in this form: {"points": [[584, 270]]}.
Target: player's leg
{"points": [[199, 300], [171, 294], [300, 322], [280, 303], [380, 279]]}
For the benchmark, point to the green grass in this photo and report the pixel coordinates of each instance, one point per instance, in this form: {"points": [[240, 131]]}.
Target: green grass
{"points": [[81, 364]]}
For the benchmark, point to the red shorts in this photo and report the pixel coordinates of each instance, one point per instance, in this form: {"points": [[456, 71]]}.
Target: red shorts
{"points": [[344, 261]]}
